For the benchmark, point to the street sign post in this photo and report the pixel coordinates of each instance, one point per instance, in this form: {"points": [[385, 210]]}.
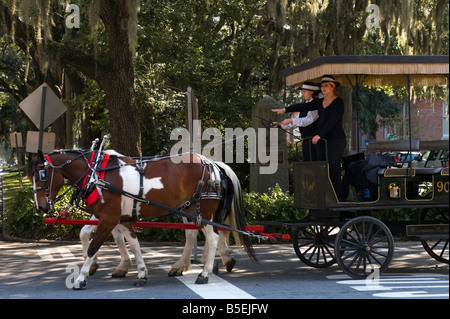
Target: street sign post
{"points": [[47, 143], [43, 107], [15, 139]]}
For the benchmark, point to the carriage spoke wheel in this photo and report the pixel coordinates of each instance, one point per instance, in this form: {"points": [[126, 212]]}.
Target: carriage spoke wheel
{"points": [[362, 245], [314, 245], [436, 248]]}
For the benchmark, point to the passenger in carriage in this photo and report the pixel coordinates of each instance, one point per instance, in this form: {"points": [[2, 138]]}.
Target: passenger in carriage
{"points": [[306, 121], [329, 127]]}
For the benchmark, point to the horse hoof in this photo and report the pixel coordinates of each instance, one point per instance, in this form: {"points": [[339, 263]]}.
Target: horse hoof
{"points": [[201, 280], [93, 269], [175, 272], [140, 282], [230, 264], [119, 273], [80, 285]]}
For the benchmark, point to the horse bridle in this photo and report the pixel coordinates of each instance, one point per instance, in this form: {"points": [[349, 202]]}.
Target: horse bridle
{"points": [[43, 177]]}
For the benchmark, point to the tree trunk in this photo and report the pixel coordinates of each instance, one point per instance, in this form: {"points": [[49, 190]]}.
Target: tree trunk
{"points": [[118, 80], [125, 132]]}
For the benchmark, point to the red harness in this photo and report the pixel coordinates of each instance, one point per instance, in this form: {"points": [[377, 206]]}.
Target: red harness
{"points": [[94, 195], [48, 159]]}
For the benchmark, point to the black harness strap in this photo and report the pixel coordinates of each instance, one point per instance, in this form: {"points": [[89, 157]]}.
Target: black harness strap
{"points": [[140, 167], [213, 181]]}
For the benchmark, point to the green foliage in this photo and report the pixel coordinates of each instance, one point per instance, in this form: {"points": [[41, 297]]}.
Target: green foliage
{"points": [[374, 102], [274, 205], [415, 215], [21, 216], [92, 105]]}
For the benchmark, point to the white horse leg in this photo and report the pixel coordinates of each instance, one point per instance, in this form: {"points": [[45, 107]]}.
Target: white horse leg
{"points": [[80, 282], [136, 249], [125, 259], [206, 249], [209, 254], [184, 263], [85, 235], [225, 251]]}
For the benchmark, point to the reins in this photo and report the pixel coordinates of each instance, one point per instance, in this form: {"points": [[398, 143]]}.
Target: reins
{"points": [[268, 124]]}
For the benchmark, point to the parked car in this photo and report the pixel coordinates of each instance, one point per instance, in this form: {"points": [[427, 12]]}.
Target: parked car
{"points": [[403, 158], [435, 158]]}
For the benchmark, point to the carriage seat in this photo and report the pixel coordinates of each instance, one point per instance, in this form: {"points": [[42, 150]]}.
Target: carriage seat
{"points": [[403, 145], [397, 172], [397, 145], [428, 170]]}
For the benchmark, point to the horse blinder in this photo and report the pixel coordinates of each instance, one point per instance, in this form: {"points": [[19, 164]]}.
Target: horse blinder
{"points": [[42, 175]]}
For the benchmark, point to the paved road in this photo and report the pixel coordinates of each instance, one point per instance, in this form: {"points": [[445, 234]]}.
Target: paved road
{"points": [[45, 270]]}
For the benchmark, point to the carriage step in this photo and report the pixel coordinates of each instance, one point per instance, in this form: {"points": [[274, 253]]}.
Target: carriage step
{"points": [[428, 231]]}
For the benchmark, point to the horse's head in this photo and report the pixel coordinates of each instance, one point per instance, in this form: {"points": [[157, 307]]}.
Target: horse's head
{"points": [[47, 181]]}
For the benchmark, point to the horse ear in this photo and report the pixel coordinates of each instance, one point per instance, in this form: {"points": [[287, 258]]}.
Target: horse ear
{"points": [[41, 156]]}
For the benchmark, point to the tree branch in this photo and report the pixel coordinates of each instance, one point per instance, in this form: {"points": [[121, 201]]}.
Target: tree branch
{"points": [[83, 62]]}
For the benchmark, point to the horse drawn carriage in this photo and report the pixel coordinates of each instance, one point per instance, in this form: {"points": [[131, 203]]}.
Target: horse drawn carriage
{"points": [[344, 231], [334, 231]]}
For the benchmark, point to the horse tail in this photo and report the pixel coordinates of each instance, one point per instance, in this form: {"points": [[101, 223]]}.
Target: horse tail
{"points": [[236, 217]]}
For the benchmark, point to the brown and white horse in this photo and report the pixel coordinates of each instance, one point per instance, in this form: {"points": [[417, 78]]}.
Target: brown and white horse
{"points": [[169, 182]]}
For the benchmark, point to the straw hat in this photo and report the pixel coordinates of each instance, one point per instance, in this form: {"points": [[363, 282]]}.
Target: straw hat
{"points": [[329, 78], [310, 86]]}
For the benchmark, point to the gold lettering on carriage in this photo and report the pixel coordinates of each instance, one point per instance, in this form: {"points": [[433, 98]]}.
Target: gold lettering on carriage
{"points": [[261, 147], [442, 187]]}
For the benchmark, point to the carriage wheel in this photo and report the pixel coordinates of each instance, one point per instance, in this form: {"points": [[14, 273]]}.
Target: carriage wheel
{"points": [[314, 245], [363, 244], [438, 249]]}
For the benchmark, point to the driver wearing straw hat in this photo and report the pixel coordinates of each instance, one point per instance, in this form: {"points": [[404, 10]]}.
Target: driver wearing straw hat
{"points": [[329, 127]]}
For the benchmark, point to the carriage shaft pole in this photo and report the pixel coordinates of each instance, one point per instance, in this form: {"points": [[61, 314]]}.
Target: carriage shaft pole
{"points": [[69, 221]]}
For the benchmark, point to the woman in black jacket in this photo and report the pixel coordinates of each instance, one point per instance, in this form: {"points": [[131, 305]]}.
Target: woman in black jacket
{"points": [[329, 127]]}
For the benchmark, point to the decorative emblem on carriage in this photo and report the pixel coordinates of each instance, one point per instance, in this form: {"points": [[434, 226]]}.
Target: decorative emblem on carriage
{"points": [[308, 183]]}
